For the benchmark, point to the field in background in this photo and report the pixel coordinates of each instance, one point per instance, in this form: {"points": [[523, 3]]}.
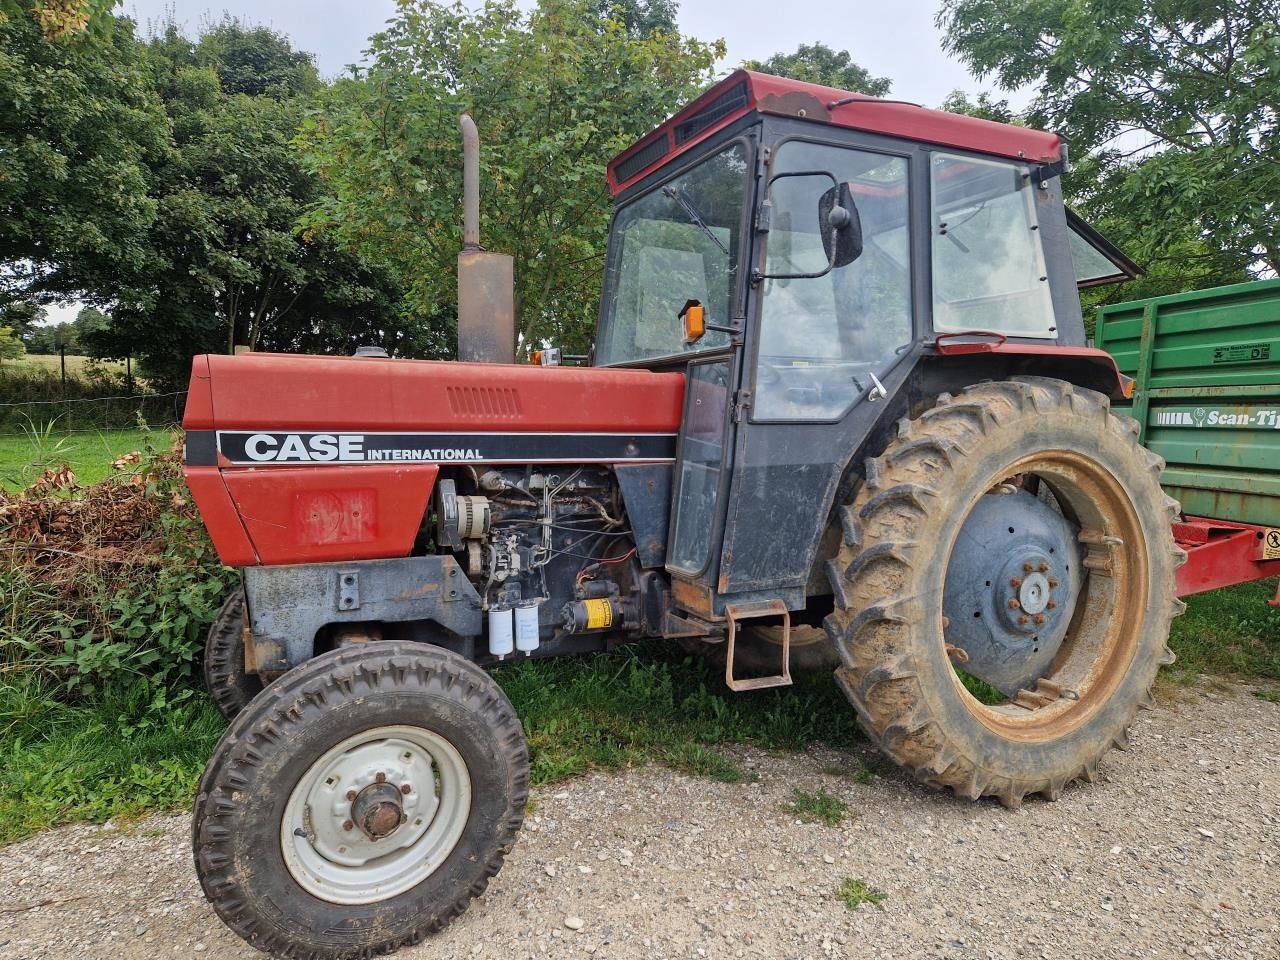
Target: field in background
{"points": [[77, 367], [26, 453]]}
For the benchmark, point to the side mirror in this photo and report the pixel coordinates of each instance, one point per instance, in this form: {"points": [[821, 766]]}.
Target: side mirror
{"points": [[838, 224], [842, 240]]}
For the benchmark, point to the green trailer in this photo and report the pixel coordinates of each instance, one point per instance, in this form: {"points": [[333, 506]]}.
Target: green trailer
{"points": [[1206, 396]]}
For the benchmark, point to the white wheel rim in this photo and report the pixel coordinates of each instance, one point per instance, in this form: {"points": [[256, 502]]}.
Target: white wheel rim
{"points": [[335, 860]]}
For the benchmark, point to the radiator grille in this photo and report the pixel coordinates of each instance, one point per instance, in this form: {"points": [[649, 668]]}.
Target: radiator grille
{"points": [[484, 401]]}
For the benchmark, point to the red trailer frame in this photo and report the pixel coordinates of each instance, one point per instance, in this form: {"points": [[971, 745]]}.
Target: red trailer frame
{"points": [[1222, 553]]}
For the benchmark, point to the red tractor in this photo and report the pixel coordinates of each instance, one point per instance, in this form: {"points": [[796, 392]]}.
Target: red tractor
{"points": [[840, 410]]}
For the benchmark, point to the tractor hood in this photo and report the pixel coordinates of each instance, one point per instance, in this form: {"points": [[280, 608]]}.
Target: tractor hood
{"points": [[302, 459]]}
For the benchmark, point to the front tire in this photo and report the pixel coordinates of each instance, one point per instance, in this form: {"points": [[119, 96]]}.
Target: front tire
{"points": [[900, 668], [360, 802], [224, 674]]}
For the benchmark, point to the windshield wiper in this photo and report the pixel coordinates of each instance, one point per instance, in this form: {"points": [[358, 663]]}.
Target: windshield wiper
{"points": [[688, 208]]}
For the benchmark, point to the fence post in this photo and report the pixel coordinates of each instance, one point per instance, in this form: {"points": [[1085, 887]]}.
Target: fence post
{"points": [[128, 375], [62, 356]]}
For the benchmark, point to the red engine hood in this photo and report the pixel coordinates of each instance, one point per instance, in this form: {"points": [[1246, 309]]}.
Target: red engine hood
{"points": [[304, 459], [307, 393]]}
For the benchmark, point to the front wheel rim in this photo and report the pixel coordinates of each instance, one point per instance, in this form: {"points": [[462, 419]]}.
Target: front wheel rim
{"points": [[376, 815]]}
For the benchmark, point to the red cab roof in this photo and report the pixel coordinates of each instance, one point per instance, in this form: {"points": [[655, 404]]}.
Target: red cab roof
{"points": [[744, 91]]}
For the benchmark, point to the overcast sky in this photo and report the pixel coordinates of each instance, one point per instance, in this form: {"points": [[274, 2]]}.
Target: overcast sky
{"points": [[896, 40]]}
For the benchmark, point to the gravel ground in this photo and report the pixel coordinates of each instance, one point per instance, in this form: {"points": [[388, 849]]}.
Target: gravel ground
{"points": [[1177, 853]]}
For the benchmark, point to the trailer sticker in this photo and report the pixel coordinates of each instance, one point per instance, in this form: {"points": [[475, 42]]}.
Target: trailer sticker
{"points": [[265, 448], [1271, 544], [1242, 353], [1200, 417]]}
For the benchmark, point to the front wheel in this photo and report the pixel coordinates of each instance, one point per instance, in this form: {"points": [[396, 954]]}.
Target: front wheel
{"points": [[360, 802], [1005, 589]]}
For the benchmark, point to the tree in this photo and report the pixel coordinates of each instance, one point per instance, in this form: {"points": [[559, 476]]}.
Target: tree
{"points": [[640, 17], [818, 63], [227, 262], [556, 93], [80, 130], [984, 107], [22, 316], [11, 347], [1174, 104]]}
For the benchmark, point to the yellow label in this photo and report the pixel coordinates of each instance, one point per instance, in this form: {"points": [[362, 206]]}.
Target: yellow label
{"points": [[599, 614], [1271, 544]]}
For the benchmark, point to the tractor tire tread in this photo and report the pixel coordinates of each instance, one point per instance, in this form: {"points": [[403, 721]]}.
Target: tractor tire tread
{"points": [[298, 698], [229, 685], [879, 600]]}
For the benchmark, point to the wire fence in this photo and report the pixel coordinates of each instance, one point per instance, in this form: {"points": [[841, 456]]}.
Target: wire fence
{"points": [[89, 414]]}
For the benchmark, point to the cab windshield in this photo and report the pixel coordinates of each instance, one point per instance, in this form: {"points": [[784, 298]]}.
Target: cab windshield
{"points": [[677, 243]]}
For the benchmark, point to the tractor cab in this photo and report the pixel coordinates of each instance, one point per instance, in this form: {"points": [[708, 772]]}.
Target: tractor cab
{"points": [[804, 254]]}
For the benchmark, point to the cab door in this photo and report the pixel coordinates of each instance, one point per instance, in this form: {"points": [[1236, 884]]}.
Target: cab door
{"points": [[701, 467]]}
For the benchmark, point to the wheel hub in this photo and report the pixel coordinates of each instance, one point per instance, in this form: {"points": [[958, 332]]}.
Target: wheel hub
{"points": [[378, 810], [376, 814], [1033, 593], [1011, 587]]}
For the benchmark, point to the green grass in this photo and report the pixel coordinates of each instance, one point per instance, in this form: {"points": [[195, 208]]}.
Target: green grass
{"points": [[24, 454], [817, 806], [1271, 696], [853, 893], [648, 702], [1227, 633], [639, 704], [60, 764]]}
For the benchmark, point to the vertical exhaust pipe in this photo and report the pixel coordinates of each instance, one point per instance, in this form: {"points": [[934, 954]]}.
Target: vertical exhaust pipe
{"points": [[486, 281]]}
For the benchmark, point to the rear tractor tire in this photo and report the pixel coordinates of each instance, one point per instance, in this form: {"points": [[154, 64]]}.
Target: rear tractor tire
{"points": [[360, 802], [1005, 588], [230, 686]]}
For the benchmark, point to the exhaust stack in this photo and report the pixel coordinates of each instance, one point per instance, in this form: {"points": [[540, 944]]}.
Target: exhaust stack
{"points": [[486, 281]]}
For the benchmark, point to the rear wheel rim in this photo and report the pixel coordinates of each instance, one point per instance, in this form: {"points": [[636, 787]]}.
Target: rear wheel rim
{"points": [[376, 815], [1104, 633]]}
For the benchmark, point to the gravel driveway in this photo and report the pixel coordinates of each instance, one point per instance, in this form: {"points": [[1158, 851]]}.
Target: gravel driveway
{"points": [[1179, 854]]}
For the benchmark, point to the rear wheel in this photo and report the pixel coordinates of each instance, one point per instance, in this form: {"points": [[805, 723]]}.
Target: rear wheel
{"points": [[1005, 589], [360, 802]]}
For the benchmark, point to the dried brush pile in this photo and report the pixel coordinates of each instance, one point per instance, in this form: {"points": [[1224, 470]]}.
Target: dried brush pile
{"points": [[108, 584]]}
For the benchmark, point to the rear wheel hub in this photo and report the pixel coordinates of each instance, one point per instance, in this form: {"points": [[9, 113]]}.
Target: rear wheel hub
{"points": [[1011, 587]]}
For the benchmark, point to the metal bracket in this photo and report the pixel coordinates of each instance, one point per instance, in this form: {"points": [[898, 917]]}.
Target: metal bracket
{"points": [[744, 611], [348, 590]]}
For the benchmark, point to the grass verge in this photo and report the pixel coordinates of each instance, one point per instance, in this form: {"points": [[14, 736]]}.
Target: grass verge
{"points": [[639, 704]]}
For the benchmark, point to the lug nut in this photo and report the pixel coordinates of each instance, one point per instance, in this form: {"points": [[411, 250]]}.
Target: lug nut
{"points": [[381, 778], [351, 796], [1013, 603], [1022, 619], [1044, 567], [1052, 604], [1028, 567], [1039, 618], [348, 825], [1053, 582], [406, 788], [1015, 581]]}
